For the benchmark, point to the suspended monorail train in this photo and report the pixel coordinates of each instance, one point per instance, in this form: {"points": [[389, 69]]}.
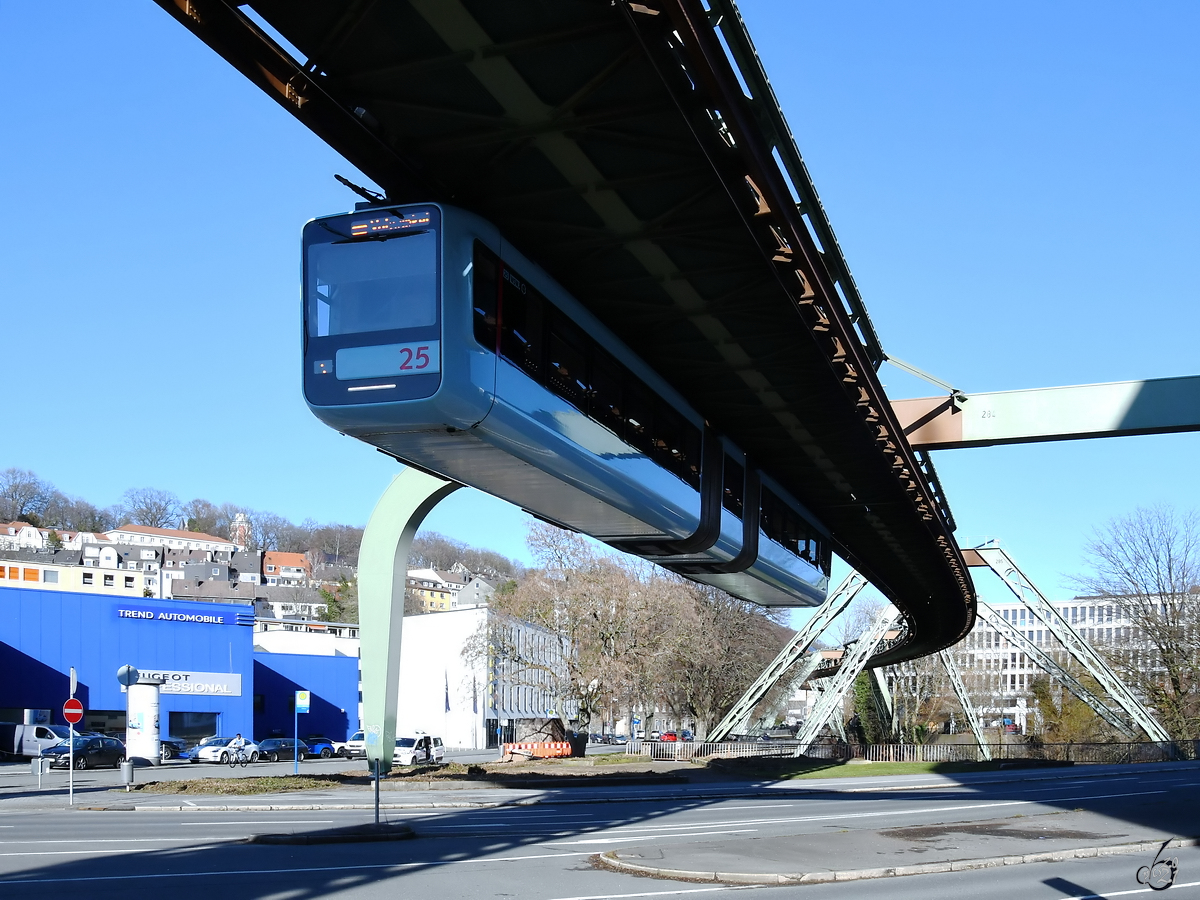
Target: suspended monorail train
{"points": [[430, 337]]}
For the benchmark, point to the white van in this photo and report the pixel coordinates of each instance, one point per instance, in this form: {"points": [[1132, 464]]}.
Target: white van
{"points": [[29, 740], [423, 748]]}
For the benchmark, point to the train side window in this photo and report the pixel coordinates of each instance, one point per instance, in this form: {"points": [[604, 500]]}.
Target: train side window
{"points": [[639, 416], [606, 405], [522, 321], [735, 485], [672, 448], [566, 373], [485, 288]]}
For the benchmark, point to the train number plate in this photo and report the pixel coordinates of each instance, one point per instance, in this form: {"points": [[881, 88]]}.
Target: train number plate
{"points": [[388, 360]]}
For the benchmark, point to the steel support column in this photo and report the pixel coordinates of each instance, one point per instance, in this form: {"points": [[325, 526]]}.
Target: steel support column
{"points": [[964, 700], [852, 664], [382, 569], [741, 711], [1054, 670], [1025, 590]]}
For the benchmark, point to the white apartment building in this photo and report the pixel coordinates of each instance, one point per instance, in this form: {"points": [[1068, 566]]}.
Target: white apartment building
{"points": [[170, 537], [471, 700]]}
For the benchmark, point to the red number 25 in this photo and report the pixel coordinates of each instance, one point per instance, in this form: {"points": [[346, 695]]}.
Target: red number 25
{"points": [[421, 356]]}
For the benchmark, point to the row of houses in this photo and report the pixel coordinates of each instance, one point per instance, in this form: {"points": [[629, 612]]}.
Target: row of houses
{"points": [[164, 563]]}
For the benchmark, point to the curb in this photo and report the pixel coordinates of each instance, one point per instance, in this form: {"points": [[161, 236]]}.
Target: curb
{"points": [[610, 860], [353, 836]]}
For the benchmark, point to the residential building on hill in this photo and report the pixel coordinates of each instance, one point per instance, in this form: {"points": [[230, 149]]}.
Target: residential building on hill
{"points": [[23, 536], [439, 591], [286, 568], [171, 537]]}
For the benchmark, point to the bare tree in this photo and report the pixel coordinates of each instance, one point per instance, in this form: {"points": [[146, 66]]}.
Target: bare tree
{"points": [[23, 496], [339, 543], [150, 507], [202, 516], [72, 514], [1147, 564], [716, 645], [920, 688], [266, 529]]}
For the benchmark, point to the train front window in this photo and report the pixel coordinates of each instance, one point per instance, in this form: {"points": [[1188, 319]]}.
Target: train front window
{"points": [[378, 283]]}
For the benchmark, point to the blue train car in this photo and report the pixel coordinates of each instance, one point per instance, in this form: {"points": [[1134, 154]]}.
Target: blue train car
{"points": [[430, 337]]}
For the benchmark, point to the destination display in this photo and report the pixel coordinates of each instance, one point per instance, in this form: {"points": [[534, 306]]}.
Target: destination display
{"points": [[387, 360]]}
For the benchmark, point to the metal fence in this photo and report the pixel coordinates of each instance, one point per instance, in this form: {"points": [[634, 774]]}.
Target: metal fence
{"points": [[680, 750], [1147, 751]]}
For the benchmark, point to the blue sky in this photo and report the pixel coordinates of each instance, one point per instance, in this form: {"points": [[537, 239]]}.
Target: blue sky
{"points": [[1014, 186]]}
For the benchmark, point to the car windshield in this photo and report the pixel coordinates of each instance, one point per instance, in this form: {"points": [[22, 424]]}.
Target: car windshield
{"points": [[406, 742], [215, 741]]}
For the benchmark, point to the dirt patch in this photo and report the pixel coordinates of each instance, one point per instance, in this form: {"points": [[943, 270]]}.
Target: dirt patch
{"points": [[535, 773], [267, 784], [1024, 831]]}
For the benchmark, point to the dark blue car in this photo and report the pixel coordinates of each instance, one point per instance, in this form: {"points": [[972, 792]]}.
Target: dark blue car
{"points": [[319, 745]]}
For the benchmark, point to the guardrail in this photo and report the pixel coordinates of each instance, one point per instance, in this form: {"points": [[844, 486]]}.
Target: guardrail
{"points": [[1114, 753], [680, 750]]}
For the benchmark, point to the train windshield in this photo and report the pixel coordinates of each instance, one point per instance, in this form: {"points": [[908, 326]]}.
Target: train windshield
{"points": [[376, 282]]}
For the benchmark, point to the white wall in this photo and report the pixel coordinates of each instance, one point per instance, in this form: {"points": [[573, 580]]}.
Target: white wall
{"points": [[431, 661], [432, 665]]}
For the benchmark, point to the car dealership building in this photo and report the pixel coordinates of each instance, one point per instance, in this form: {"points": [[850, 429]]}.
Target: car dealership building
{"points": [[214, 682]]}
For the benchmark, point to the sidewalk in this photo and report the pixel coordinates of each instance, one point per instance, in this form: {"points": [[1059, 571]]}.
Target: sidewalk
{"points": [[921, 850]]}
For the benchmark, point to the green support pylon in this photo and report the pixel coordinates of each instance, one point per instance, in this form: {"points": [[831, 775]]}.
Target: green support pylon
{"points": [[382, 570]]}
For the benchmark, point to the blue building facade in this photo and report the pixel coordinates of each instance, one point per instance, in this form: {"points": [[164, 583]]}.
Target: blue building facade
{"points": [[203, 651], [332, 682]]}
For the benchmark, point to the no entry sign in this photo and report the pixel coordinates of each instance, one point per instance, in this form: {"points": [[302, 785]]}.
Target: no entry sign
{"points": [[73, 711]]}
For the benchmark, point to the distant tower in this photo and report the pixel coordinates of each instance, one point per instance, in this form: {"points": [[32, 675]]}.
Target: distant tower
{"points": [[239, 532]]}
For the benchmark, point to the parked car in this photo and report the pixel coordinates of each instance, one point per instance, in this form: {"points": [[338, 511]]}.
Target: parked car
{"points": [[216, 750], [30, 740], [275, 749], [319, 745], [90, 751], [668, 736], [594, 738], [168, 747], [687, 735], [354, 748], [419, 749]]}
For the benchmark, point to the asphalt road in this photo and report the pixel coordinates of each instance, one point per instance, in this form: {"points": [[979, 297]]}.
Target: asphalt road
{"points": [[542, 851]]}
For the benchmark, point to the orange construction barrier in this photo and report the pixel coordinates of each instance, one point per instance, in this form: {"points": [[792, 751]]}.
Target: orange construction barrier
{"points": [[537, 749]]}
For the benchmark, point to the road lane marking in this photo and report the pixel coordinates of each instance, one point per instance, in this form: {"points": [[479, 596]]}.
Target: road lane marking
{"points": [[729, 887], [262, 822], [159, 840], [642, 837], [241, 873], [732, 808], [1145, 890]]}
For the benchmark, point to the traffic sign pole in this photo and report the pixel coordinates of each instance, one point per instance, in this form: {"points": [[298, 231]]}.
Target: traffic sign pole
{"points": [[303, 698], [72, 712]]}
